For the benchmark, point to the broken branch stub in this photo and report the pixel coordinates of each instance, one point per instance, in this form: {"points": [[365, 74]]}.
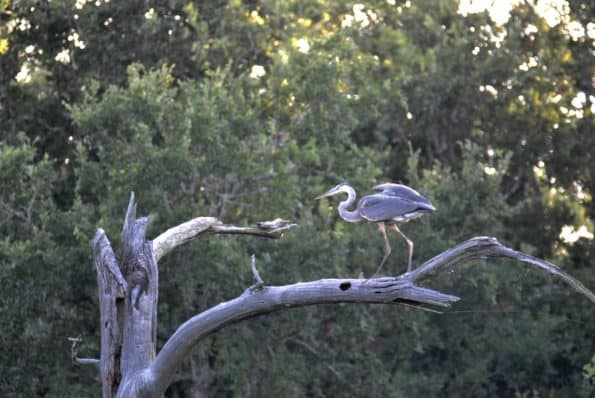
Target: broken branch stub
{"points": [[192, 229], [128, 287]]}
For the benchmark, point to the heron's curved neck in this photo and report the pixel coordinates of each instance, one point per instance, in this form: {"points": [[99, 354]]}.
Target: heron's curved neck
{"points": [[347, 215]]}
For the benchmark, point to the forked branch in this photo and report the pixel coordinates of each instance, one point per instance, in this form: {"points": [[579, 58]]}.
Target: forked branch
{"points": [[386, 290], [268, 299], [128, 287], [484, 247]]}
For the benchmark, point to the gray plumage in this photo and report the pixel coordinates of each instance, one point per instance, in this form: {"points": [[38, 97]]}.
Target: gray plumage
{"points": [[394, 203], [401, 191], [381, 207]]}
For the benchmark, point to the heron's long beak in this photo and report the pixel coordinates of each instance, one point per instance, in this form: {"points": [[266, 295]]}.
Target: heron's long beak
{"points": [[326, 194]]}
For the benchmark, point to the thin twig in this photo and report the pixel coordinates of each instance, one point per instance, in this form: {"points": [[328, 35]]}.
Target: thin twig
{"points": [[30, 207], [259, 281], [314, 352], [13, 212], [74, 354]]}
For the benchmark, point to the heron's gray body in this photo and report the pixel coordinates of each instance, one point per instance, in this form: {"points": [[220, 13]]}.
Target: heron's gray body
{"points": [[396, 202], [393, 204]]}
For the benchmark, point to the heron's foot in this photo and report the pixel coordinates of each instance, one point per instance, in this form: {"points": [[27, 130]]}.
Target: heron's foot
{"points": [[258, 286], [373, 276], [376, 274]]}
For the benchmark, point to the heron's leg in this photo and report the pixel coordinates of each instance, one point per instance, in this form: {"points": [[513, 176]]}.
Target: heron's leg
{"points": [[387, 249], [409, 243]]}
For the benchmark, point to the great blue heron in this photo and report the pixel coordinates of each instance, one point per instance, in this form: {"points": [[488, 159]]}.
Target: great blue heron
{"points": [[394, 203]]}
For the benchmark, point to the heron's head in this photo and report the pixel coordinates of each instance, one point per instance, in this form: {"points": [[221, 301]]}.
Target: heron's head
{"points": [[341, 188]]}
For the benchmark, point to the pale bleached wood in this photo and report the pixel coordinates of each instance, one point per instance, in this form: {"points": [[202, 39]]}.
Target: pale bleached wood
{"points": [[386, 290], [267, 299], [128, 296], [139, 319], [192, 229], [128, 303], [78, 360], [483, 247], [181, 234]]}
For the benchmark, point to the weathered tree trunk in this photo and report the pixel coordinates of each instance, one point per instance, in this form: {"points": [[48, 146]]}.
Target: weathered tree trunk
{"points": [[128, 291], [112, 292]]}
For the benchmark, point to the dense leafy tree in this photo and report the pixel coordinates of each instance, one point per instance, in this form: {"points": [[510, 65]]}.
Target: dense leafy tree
{"points": [[246, 111]]}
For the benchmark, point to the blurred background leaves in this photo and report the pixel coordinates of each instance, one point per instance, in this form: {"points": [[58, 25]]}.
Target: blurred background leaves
{"points": [[248, 110]]}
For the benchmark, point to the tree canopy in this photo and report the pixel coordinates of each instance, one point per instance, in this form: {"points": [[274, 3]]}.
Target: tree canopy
{"points": [[246, 110]]}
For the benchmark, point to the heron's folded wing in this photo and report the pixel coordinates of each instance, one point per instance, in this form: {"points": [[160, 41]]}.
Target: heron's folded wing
{"points": [[402, 191], [386, 207]]}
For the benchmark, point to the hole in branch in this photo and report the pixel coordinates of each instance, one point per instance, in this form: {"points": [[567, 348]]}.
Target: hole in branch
{"points": [[345, 285]]}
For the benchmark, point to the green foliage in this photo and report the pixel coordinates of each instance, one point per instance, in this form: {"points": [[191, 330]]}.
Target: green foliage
{"points": [[247, 111], [39, 275]]}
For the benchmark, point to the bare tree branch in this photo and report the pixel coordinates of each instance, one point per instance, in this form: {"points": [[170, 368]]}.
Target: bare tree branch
{"points": [[484, 247], [30, 207], [190, 230], [272, 298], [74, 354], [128, 290], [15, 213], [87, 361], [386, 290], [181, 234], [257, 277], [258, 231]]}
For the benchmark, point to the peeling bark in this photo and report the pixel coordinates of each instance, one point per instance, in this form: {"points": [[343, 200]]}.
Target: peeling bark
{"points": [[112, 290]]}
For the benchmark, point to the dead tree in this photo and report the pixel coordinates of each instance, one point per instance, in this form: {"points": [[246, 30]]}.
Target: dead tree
{"points": [[128, 289]]}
